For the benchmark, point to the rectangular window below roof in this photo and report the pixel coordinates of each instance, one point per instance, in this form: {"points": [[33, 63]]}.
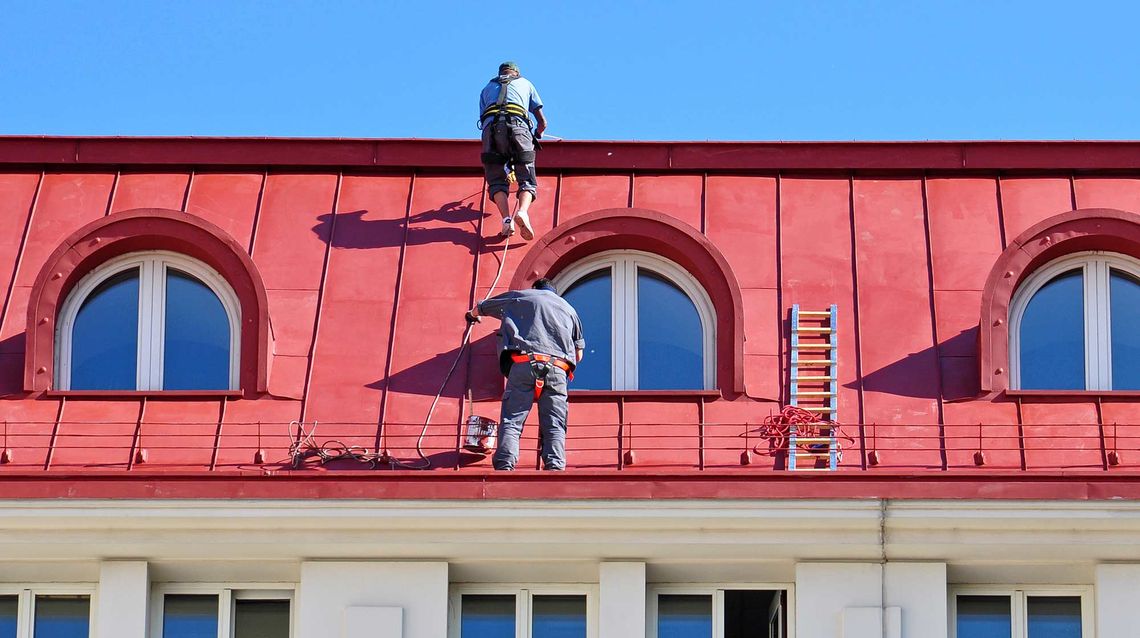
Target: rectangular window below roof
{"points": [[684, 616], [984, 616], [9, 609], [1019, 614], [190, 616], [725, 613], [250, 615], [62, 617], [261, 619], [1054, 616], [523, 614]]}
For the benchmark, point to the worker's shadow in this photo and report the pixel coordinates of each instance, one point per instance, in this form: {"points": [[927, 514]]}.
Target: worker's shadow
{"points": [[455, 222], [913, 375], [477, 368], [10, 376]]}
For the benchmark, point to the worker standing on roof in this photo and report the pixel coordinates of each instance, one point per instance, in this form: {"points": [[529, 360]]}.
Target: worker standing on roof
{"points": [[505, 106], [540, 345]]}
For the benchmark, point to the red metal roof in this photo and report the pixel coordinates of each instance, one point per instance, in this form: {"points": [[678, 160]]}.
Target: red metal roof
{"points": [[370, 251]]}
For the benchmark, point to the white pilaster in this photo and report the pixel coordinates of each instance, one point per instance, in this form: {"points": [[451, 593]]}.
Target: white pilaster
{"points": [[919, 589], [123, 600], [373, 590], [621, 600], [1117, 599], [832, 600]]}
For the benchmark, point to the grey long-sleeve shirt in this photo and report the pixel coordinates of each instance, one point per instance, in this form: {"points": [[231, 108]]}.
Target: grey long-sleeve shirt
{"points": [[536, 321]]}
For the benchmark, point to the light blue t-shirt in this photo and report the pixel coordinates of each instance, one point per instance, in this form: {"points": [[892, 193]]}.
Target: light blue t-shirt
{"points": [[520, 91]]}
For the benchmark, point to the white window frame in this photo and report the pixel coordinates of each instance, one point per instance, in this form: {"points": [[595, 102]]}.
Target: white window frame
{"points": [[1018, 607], [716, 590], [1096, 269], [523, 594], [152, 266], [623, 265], [228, 594], [26, 602]]}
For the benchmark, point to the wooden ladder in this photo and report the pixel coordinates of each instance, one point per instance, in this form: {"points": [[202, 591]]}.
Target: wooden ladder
{"points": [[814, 334]]}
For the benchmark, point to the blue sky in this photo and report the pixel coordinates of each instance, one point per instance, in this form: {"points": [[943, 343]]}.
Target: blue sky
{"points": [[607, 70]]}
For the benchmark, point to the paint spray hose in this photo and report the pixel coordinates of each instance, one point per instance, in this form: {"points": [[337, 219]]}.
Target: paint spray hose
{"points": [[424, 462]]}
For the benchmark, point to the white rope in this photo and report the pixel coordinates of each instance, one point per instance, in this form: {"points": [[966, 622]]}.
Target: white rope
{"points": [[425, 462]]}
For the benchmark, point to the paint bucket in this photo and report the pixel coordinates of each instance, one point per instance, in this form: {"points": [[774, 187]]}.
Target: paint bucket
{"points": [[481, 434]]}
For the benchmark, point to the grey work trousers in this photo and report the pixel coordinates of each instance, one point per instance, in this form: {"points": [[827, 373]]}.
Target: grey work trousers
{"points": [[552, 409], [508, 137]]}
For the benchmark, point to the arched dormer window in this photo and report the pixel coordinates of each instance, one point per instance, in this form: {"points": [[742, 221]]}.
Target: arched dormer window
{"points": [[1072, 325], [152, 320], [628, 230], [649, 325], [200, 266], [1064, 265]]}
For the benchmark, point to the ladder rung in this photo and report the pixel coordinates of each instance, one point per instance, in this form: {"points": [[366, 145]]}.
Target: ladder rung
{"points": [[812, 393], [811, 377], [815, 409], [812, 440], [816, 330], [814, 346], [815, 313], [811, 363], [812, 469]]}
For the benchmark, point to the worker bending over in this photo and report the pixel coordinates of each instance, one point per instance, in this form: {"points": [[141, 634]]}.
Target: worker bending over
{"points": [[541, 342], [505, 106]]}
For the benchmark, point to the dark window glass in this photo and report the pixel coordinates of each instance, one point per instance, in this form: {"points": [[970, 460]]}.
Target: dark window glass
{"points": [[197, 336], [190, 616], [261, 619], [9, 606], [669, 338], [1124, 297], [984, 617], [488, 616], [592, 297], [1053, 336], [1054, 616], [558, 617], [746, 613], [62, 617], [684, 616], [105, 338]]}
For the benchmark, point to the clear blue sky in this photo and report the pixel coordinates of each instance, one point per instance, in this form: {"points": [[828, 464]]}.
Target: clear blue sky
{"points": [[694, 70]]}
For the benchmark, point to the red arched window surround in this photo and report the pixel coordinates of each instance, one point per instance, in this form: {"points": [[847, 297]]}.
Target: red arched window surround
{"points": [[137, 230], [658, 233], [1072, 232]]}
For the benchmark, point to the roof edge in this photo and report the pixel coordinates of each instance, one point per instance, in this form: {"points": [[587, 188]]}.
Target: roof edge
{"points": [[412, 153]]}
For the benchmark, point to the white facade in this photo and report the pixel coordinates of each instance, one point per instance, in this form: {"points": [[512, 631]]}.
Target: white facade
{"points": [[374, 569]]}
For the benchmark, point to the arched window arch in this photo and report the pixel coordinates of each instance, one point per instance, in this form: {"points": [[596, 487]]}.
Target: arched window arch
{"points": [[154, 320], [1072, 325], [649, 324]]}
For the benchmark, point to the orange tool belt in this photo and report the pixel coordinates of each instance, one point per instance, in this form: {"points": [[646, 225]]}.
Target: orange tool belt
{"points": [[539, 363]]}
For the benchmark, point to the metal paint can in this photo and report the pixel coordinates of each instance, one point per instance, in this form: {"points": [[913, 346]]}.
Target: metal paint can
{"points": [[481, 434]]}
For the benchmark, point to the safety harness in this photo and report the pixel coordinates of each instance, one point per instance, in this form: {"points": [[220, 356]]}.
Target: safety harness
{"points": [[540, 364], [500, 112], [502, 109]]}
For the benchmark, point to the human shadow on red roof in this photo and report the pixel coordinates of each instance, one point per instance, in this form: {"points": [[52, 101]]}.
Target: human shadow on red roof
{"points": [[12, 365], [455, 222], [426, 377], [918, 373]]}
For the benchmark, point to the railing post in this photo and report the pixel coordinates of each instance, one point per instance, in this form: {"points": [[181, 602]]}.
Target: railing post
{"points": [[620, 451]]}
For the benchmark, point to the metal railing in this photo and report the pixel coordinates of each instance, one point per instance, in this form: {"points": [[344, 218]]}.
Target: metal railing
{"points": [[207, 446]]}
